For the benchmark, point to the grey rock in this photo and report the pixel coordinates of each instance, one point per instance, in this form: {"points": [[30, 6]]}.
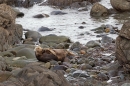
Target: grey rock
{"points": [[19, 14], [118, 5], [102, 11], [44, 29], [33, 34], [57, 13], [76, 46], [28, 52], [41, 16], [92, 44], [106, 40], [54, 39]]}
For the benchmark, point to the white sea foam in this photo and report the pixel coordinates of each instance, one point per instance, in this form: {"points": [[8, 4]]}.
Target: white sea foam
{"points": [[65, 24]]}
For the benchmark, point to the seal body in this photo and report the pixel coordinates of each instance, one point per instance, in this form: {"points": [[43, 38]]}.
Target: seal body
{"points": [[48, 54]]}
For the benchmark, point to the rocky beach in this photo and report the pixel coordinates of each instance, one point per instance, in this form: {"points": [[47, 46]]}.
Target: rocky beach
{"points": [[87, 39]]}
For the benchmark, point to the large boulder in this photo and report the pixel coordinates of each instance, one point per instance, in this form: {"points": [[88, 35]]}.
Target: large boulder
{"points": [[123, 46], [98, 10], [121, 5], [36, 75], [10, 32]]}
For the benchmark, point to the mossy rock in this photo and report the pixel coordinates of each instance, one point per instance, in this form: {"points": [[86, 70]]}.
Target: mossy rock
{"points": [[54, 39], [29, 53]]}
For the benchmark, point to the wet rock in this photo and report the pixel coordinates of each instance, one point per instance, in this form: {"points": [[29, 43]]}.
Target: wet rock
{"points": [[83, 23], [99, 29], [118, 5], [41, 16], [18, 13], [62, 46], [44, 29], [54, 39], [16, 48], [57, 13], [98, 10], [76, 46], [106, 40], [29, 53], [81, 27], [92, 44], [33, 34]]}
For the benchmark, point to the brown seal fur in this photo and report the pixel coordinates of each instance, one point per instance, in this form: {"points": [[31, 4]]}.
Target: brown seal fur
{"points": [[48, 54]]}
